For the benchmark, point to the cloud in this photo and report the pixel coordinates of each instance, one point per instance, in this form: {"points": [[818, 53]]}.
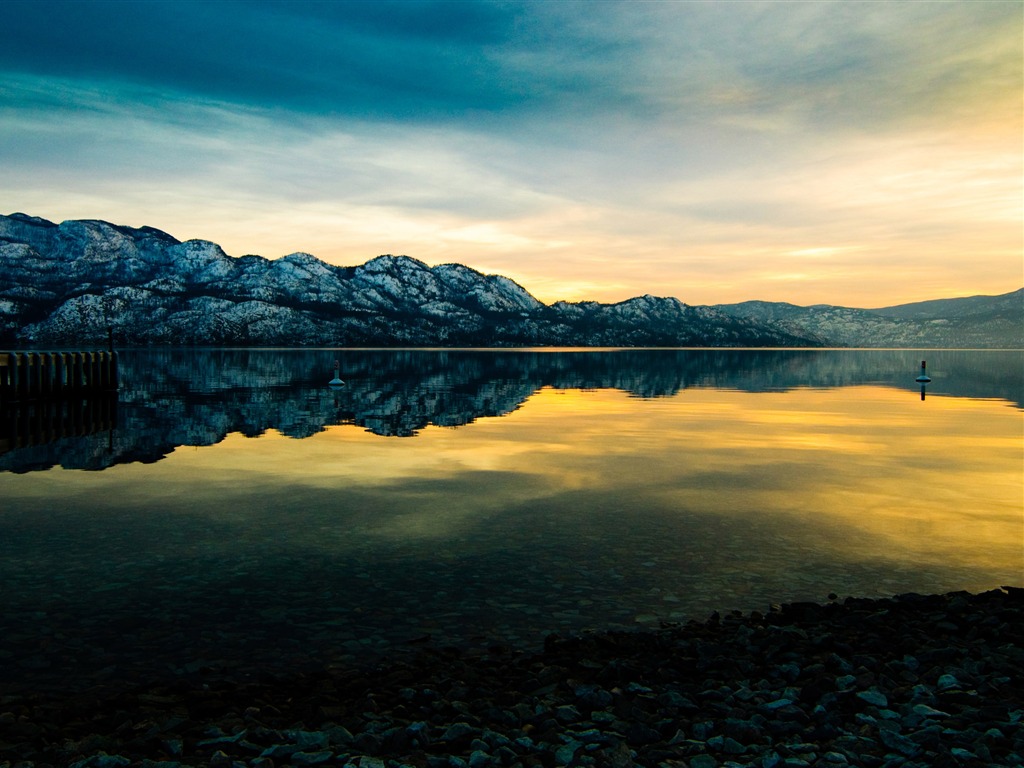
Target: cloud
{"points": [[390, 60], [763, 65], [619, 148]]}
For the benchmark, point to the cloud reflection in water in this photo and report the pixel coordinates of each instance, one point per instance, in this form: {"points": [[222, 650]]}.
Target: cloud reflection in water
{"points": [[855, 471], [580, 507]]}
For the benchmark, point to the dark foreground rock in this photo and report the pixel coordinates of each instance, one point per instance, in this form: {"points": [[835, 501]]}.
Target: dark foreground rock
{"points": [[910, 681]]}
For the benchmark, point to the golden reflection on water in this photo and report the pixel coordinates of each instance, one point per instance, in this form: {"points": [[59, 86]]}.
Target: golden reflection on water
{"points": [[860, 473], [853, 475]]}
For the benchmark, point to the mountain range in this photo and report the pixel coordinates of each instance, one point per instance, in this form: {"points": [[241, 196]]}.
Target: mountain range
{"points": [[75, 283]]}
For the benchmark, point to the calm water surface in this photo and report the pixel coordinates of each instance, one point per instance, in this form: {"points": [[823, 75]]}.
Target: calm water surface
{"points": [[230, 511]]}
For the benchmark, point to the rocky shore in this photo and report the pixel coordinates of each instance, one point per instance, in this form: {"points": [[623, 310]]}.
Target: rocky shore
{"points": [[914, 680]]}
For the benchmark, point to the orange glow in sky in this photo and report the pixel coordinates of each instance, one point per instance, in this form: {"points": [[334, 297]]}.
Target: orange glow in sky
{"points": [[858, 154]]}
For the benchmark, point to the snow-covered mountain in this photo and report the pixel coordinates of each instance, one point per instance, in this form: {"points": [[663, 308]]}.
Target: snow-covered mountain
{"points": [[975, 322], [70, 284]]}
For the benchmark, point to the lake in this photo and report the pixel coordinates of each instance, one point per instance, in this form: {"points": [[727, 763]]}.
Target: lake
{"points": [[230, 511]]}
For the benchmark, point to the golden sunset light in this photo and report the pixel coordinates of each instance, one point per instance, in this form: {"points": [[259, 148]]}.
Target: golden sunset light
{"points": [[846, 153]]}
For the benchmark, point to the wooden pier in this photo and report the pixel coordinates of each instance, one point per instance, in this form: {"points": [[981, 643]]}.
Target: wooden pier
{"points": [[31, 376]]}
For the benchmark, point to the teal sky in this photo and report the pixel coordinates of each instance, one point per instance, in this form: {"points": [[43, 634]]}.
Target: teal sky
{"points": [[857, 153]]}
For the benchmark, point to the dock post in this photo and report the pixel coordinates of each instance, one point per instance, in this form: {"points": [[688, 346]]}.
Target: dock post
{"points": [[28, 376], [87, 371], [35, 380], [77, 364], [60, 373], [23, 370], [46, 373]]}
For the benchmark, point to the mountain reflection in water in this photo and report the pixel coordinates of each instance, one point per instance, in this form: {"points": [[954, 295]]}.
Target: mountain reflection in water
{"points": [[171, 398], [616, 490]]}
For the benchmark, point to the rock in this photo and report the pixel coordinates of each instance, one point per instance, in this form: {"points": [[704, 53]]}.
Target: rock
{"points": [[926, 711], [775, 705], [899, 742], [567, 714], [846, 682], [873, 697], [501, 709], [947, 683], [310, 740], [618, 756], [994, 736], [418, 734], [311, 758], [640, 734], [279, 751], [702, 729], [458, 731], [790, 671], [566, 752], [744, 731], [221, 741], [677, 700], [593, 696], [339, 736], [732, 747], [505, 755]]}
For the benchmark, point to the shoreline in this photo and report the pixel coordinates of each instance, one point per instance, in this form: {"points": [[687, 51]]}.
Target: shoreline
{"points": [[912, 680]]}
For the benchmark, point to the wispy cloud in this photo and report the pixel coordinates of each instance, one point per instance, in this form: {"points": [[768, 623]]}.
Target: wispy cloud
{"points": [[588, 149]]}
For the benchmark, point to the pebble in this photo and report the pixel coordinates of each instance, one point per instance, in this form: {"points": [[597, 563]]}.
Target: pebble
{"points": [[311, 758], [757, 691], [926, 711], [874, 698]]}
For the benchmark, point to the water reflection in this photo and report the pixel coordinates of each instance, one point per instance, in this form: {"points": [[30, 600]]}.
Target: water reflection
{"points": [[171, 398], [616, 490]]}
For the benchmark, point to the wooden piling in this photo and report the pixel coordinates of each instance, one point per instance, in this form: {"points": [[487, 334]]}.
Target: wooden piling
{"points": [[27, 376]]}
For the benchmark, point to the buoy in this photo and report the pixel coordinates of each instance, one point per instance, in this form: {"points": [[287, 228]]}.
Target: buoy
{"points": [[923, 378], [336, 381]]}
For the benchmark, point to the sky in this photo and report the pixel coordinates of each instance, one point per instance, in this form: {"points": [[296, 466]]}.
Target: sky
{"points": [[854, 153]]}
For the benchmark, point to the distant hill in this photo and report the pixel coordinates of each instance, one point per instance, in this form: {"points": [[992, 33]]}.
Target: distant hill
{"points": [[67, 284], [1007, 304], [981, 322]]}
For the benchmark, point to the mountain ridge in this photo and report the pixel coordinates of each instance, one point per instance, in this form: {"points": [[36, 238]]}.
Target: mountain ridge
{"points": [[77, 281]]}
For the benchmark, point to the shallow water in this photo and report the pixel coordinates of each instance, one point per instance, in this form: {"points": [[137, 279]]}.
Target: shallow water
{"points": [[243, 515]]}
